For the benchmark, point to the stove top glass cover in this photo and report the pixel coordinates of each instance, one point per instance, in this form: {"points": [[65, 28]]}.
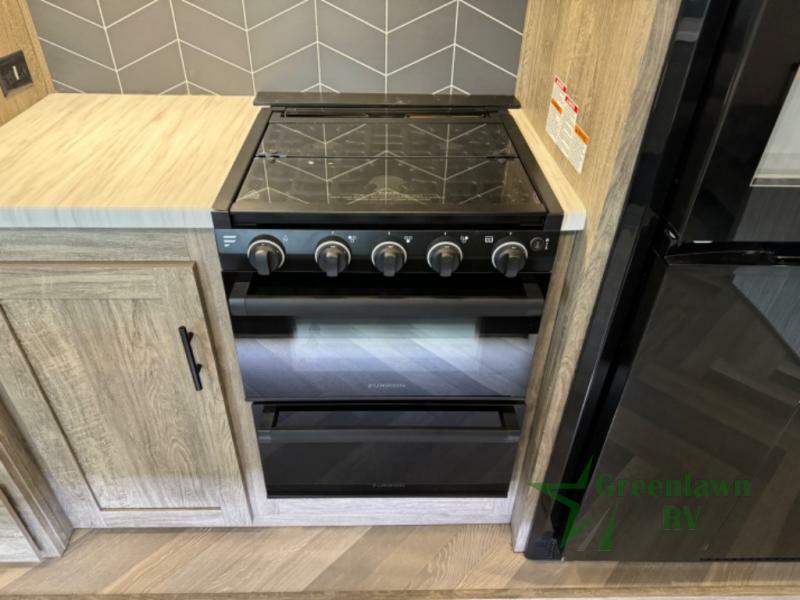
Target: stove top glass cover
{"points": [[409, 166]]}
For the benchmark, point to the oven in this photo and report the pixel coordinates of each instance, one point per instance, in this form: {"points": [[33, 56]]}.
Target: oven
{"points": [[369, 386]]}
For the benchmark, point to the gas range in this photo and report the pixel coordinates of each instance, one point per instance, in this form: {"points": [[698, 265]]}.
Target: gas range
{"points": [[386, 260], [386, 184]]}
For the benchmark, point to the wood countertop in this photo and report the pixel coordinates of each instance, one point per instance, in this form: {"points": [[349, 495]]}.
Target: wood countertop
{"points": [[80, 160], [571, 205], [112, 161]]}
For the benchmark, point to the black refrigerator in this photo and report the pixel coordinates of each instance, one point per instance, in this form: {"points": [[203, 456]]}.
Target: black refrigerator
{"points": [[681, 435]]}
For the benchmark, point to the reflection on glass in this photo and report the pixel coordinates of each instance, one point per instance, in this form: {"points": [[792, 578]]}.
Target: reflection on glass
{"points": [[327, 358], [780, 163]]}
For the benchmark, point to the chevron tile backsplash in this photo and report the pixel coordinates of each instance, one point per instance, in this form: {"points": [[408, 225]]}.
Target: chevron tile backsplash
{"points": [[244, 46]]}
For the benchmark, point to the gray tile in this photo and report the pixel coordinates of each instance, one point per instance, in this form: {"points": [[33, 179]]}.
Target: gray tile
{"points": [[180, 89], [422, 37], [260, 10], [282, 35], [488, 38], [114, 10], [196, 91], [85, 8], [142, 32], [79, 73], [65, 30], [474, 76], [510, 12], [154, 74], [425, 77], [212, 73], [402, 11], [372, 11], [350, 36], [293, 74], [230, 10], [344, 75], [212, 35]]}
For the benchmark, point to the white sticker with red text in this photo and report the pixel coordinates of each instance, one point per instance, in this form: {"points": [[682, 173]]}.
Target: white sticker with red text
{"points": [[562, 125]]}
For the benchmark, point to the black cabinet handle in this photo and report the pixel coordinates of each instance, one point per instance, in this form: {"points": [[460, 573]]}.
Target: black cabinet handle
{"points": [[194, 366]]}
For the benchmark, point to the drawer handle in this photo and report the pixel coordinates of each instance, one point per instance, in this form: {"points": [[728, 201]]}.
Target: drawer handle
{"points": [[194, 366]]}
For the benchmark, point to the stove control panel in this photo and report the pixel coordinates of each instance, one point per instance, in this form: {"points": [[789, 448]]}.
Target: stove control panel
{"points": [[387, 252]]}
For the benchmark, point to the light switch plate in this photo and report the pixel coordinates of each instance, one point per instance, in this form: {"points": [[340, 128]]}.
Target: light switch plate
{"points": [[14, 72]]}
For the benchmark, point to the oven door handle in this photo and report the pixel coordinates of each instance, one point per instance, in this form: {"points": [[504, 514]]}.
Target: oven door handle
{"points": [[343, 435], [244, 304]]}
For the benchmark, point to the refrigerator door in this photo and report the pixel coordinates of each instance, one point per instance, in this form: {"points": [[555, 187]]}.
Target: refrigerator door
{"points": [[742, 177], [701, 436], [766, 524]]}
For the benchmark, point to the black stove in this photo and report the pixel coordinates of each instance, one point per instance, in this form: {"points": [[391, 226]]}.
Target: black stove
{"points": [[386, 260], [399, 173]]}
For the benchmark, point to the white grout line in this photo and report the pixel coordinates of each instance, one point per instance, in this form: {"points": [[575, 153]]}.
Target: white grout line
{"points": [[311, 87], [355, 60], [385, 46], [486, 60], [133, 12], [352, 16], [455, 87], [136, 60], [216, 16], [440, 90], [479, 194], [348, 132], [219, 58], [316, 41], [327, 87], [413, 62], [492, 17], [455, 39], [110, 49], [278, 14], [205, 89], [430, 133], [66, 85], [282, 58], [86, 58], [422, 16], [249, 51], [169, 89], [480, 164], [351, 169], [180, 47], [69, 12]]}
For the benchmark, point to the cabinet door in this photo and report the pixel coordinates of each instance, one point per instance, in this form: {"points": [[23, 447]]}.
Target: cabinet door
{"points": [[95, 371], [16, 545]]}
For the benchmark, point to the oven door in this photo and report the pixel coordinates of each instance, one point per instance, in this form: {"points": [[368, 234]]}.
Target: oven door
{"points": [[368, 449], [307, 337]]}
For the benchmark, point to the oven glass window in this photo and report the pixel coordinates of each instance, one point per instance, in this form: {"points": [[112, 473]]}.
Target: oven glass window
{"points": [[313, 358]]}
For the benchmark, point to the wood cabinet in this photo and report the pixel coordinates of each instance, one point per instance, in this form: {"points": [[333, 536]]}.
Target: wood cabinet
{"points": [[95, 373], [16, 544], [32, 524]]}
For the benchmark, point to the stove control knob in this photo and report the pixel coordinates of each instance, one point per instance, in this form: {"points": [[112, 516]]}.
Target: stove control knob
{"points": [[444, 257], [509, 257], [266, 255], [389, 258], [332, 256]]}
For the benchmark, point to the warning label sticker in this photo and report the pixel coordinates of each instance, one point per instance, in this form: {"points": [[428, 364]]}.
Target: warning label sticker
{"points": [[562, 125]]}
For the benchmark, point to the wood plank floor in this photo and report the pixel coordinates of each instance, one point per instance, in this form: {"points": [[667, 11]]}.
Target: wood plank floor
{"points": [[472, 561]]}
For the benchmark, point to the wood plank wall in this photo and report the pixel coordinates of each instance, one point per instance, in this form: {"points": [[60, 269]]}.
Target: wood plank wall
{"points": [[610, 54], [17, 33]]}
